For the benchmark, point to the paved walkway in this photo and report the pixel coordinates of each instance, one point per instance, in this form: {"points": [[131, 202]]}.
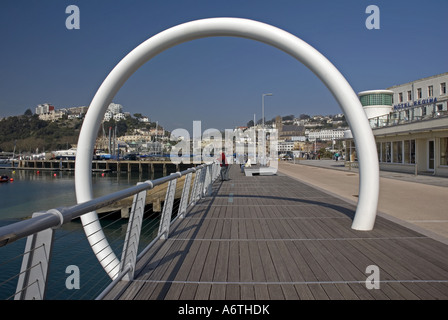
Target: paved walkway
{"points": [[418, 202], [422, 177]]}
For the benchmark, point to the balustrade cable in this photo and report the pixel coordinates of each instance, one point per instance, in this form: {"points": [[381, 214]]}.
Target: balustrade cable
{"points": [[12, 278], [89, 268], [115, 225], [5, 282], [62, 241]]}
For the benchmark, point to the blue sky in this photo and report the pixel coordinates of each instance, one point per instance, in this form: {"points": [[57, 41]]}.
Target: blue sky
{"points": [[216, 80]]}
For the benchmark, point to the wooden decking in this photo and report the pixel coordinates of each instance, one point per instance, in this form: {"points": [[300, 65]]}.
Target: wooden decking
{"points": [[273, 237]]}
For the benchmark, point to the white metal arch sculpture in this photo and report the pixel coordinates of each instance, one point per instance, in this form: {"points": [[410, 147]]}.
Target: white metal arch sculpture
{"points": [[230, 27]]}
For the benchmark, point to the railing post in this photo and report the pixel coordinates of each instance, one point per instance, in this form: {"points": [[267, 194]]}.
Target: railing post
{"points": [[34, 271], [130, 248], [213, 171], [217, 170], [165, 219], [185, 193], [194, 193], [200, 191], [207, 181]]}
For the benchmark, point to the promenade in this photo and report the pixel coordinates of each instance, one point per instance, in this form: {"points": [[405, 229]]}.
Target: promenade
{"points": [[276, 237], [417, 202]]}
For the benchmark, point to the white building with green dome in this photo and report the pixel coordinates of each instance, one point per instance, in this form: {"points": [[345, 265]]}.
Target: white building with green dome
{"points": [[410, 125], [376, 102]]}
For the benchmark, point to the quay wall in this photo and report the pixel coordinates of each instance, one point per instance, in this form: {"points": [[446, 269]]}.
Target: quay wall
{"points": [[150, 167]]}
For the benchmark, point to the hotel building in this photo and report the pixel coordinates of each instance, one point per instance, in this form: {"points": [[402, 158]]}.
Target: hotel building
{"points": [[325, 135], [44, 108], [410, 125]]}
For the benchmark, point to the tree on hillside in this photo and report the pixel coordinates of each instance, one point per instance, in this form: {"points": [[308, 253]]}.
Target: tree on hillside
{"points": [[289, 117]]}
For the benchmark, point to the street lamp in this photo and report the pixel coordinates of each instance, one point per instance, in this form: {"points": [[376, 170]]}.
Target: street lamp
{"points": [[262, 106]]}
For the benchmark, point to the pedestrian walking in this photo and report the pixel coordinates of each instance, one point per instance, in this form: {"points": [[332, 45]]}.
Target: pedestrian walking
{"points": [[224, 167]]}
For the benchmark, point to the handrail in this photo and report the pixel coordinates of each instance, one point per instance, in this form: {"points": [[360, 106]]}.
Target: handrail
{"points": [[114, 282], [54, 218], [39, 229], [396, 117]]}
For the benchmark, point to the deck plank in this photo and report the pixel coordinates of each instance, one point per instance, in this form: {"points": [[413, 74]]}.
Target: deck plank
{"points": [[218, 292]]}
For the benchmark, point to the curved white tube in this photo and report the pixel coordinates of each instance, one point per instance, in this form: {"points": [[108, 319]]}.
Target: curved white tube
{"points": [[233, 27]]}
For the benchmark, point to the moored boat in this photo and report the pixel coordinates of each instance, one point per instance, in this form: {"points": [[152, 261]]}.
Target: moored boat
{"points": [[69, 154], [4, 178]]}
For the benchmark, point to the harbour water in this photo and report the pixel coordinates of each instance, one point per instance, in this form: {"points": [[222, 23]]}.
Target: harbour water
{"points": [[33, 191]]}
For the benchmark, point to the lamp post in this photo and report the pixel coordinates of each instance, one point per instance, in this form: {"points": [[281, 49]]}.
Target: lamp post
{"points": [[262, 106]]}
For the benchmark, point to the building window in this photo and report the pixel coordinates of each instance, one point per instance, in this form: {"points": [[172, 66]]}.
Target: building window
{"points": [[419, 93], [443, 88], [388, 152], [412, 151], [383, 152], [409, 96], [378, 150], [400, 97], [444, 151], [409, 151], [397, 151], [430, 91], [376, 99]]}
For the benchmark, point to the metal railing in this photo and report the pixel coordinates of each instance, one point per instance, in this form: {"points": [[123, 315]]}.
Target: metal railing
{"points": [[39, 230], [410, 115]]}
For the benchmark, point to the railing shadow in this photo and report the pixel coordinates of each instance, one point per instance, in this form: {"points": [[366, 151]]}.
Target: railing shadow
{"points": [[344, 210], [175, 230]]}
